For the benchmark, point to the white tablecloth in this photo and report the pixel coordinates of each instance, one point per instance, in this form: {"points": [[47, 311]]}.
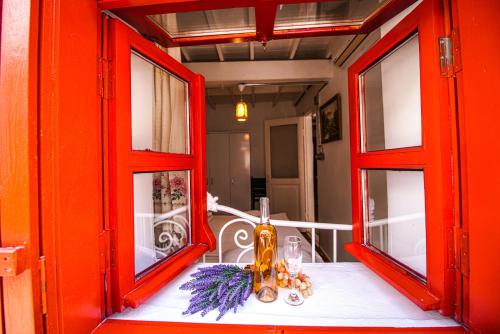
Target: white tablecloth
{"points": [[345, 294]]}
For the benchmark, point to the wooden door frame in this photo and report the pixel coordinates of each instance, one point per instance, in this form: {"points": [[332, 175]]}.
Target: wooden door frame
{"points": [[19, 191]]}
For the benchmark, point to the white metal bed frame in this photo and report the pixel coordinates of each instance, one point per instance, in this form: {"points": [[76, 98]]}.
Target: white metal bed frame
{"points": [[241, 238]]}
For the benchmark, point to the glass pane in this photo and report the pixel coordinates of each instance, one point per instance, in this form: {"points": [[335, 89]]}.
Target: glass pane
{"points": [[208, 22], [284, 152], [395, 216], [162, 222], [390, 100], [160, 121], [325, 14]]}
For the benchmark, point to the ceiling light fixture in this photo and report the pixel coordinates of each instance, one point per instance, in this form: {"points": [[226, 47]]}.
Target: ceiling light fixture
{"points": [[241, 111]]}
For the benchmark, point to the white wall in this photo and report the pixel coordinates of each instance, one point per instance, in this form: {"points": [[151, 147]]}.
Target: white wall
{"points": [[334, 172], [222, 120]]}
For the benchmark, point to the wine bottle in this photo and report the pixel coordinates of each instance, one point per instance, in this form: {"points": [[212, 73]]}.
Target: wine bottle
{"points": [[265, 256]]}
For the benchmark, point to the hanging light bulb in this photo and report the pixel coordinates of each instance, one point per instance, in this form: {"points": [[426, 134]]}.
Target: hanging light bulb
{"points": [[241, 112]]}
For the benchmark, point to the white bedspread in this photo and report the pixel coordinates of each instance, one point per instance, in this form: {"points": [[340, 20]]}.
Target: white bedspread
{"points": [[345, 294]]}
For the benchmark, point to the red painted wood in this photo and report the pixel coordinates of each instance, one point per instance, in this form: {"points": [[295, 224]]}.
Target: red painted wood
{"points": [[70, 158], [477, 25], [265, 14], [171, 6], [71, 164], [171, 268], [154, 327], [434, 157], [123, 162], [105, 252], [19, 210], [135, 13]]}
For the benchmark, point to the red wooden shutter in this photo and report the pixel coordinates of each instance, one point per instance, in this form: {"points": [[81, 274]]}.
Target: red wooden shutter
{"points": [[129, 287], [431, 158]]}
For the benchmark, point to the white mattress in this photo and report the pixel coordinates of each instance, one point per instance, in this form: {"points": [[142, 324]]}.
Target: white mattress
{"points": [[230, 251]]}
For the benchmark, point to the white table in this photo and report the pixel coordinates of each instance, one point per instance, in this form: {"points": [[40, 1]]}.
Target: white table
{"points": [[345, 294]]}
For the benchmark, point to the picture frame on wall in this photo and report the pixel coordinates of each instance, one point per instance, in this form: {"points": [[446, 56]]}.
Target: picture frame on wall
{"points": [[331, 120]]}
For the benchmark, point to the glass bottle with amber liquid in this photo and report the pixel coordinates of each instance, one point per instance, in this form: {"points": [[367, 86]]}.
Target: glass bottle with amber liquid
{"points": [[265, 256]]}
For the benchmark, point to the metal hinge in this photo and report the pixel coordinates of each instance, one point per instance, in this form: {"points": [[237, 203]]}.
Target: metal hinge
{"points": [[464, 253], [43, 284], [449, 55], [103, 78]]}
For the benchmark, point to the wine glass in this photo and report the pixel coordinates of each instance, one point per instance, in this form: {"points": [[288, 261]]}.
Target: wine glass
{"points": [[293, 262]]}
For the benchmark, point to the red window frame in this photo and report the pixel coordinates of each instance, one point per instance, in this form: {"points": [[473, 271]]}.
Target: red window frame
{"points": [[433, 157], [135, 12], [123, 162]]}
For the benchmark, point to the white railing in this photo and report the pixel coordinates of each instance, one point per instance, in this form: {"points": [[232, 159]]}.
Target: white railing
{"points": [[144, 233], [242, 234], [166, 242]]}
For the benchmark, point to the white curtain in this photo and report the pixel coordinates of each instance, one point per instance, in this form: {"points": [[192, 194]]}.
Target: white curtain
{"points": [[171, 189]]}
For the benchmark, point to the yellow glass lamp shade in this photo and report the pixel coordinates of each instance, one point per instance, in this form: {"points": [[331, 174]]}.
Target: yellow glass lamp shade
{"points": [[241, 111]]}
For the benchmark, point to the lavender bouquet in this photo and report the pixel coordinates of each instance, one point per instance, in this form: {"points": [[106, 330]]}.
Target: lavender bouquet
{"points": [[221, 287]]}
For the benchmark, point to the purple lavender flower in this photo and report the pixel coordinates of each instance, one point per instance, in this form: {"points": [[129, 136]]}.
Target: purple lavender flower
{"points": [[222, 287]]}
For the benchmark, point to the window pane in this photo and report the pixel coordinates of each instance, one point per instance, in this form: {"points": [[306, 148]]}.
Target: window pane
{"points": [[394, 217], [284, 151], [390, 100], [208, 22], [162, 222], [160, 119], [321, 14]]}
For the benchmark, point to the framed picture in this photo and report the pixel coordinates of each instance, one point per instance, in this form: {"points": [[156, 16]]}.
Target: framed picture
{"points": [[331, 120]]}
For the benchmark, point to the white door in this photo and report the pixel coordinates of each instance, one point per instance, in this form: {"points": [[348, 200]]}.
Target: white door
{"points": [[289, 167], [228, 168]]}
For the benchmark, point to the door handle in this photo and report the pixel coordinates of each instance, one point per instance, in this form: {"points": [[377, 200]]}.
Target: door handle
{"points": [[12, 261]]}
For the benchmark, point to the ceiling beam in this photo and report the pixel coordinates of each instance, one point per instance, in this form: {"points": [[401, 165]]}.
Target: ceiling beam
{"points": [[220, 53], [185, 53], [252, 50], [277, 97], [210, 102], [211, 21], [331, 47], [301, 95], [349, 49], [294, 48], [234, 72]]}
